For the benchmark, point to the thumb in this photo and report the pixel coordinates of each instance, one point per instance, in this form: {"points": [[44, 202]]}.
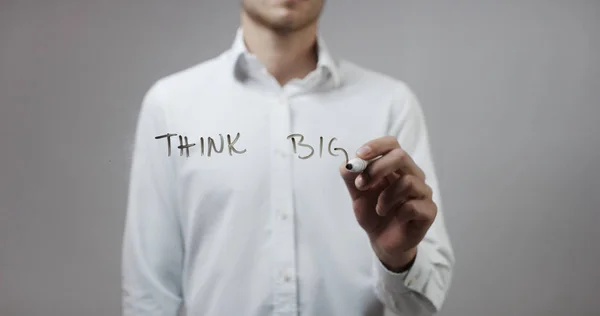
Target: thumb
{"points": [[350, 179], [363, 202], [359, 184]]}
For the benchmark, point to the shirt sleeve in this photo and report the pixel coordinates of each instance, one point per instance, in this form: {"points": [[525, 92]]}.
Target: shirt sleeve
{"points": [[152, 245], [422, 289]]}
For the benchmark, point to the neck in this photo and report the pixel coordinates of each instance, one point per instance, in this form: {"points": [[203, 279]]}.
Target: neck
{"points": [[286, 56]]}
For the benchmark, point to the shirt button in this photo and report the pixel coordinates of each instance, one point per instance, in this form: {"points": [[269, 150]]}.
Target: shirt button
{"points": [[283, 215], [281, 153]]}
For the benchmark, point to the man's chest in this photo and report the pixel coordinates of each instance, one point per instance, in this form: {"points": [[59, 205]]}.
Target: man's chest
{"points": [[237, 150]]}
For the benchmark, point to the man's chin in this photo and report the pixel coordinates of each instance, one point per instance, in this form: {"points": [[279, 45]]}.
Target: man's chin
{"points": [[281, 20], [283, 29], [284, 24]]}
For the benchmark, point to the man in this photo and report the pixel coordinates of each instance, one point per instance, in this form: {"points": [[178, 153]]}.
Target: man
{"points": [[239, 202]]}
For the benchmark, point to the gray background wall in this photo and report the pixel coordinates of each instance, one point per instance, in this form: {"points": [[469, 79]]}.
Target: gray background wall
{"points": [[511, 90]]}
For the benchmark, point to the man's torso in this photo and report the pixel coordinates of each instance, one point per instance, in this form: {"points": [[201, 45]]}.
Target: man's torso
{"points": [[271, 229]]}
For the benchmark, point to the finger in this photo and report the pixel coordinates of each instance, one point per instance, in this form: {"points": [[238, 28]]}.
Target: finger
{"points": [[363, 210], [379, 186], [377, 147], [416, 210], [364, 183], [362, 202], [395, 161], [404, 189], [350, 179]]}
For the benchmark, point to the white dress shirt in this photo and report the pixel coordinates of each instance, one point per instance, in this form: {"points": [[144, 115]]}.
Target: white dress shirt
{"points": [[257, 229]]}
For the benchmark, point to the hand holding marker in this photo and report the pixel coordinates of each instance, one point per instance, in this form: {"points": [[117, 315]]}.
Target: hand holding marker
{"points": [[359, 165]]}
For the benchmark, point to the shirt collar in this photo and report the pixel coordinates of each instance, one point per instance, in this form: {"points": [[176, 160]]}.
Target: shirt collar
{"points": [[325, 59]]}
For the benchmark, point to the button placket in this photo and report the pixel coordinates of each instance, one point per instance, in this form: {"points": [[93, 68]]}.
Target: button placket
{"points": [[284, 252]]}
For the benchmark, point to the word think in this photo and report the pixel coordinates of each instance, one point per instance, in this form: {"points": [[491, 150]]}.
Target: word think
{"points": [[210, 145]]}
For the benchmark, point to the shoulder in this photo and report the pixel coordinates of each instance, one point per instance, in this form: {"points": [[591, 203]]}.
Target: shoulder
{"points": [[359, 77], [178, 84], [400, 104], [398, 97]]}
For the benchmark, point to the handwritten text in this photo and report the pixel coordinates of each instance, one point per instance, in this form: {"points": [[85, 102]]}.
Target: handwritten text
{"points": [[212, 146]]}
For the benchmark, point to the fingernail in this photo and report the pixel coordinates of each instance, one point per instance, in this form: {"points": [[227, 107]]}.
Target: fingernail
{"points": [[365, 150], [378, 210], [359, 182]]}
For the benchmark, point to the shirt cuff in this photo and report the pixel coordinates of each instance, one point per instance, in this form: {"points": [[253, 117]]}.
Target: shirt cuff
{"points": [[414, 279]]}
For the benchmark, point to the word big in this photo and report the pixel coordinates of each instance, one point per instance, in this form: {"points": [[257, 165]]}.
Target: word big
{"points": [[312, 150]]}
